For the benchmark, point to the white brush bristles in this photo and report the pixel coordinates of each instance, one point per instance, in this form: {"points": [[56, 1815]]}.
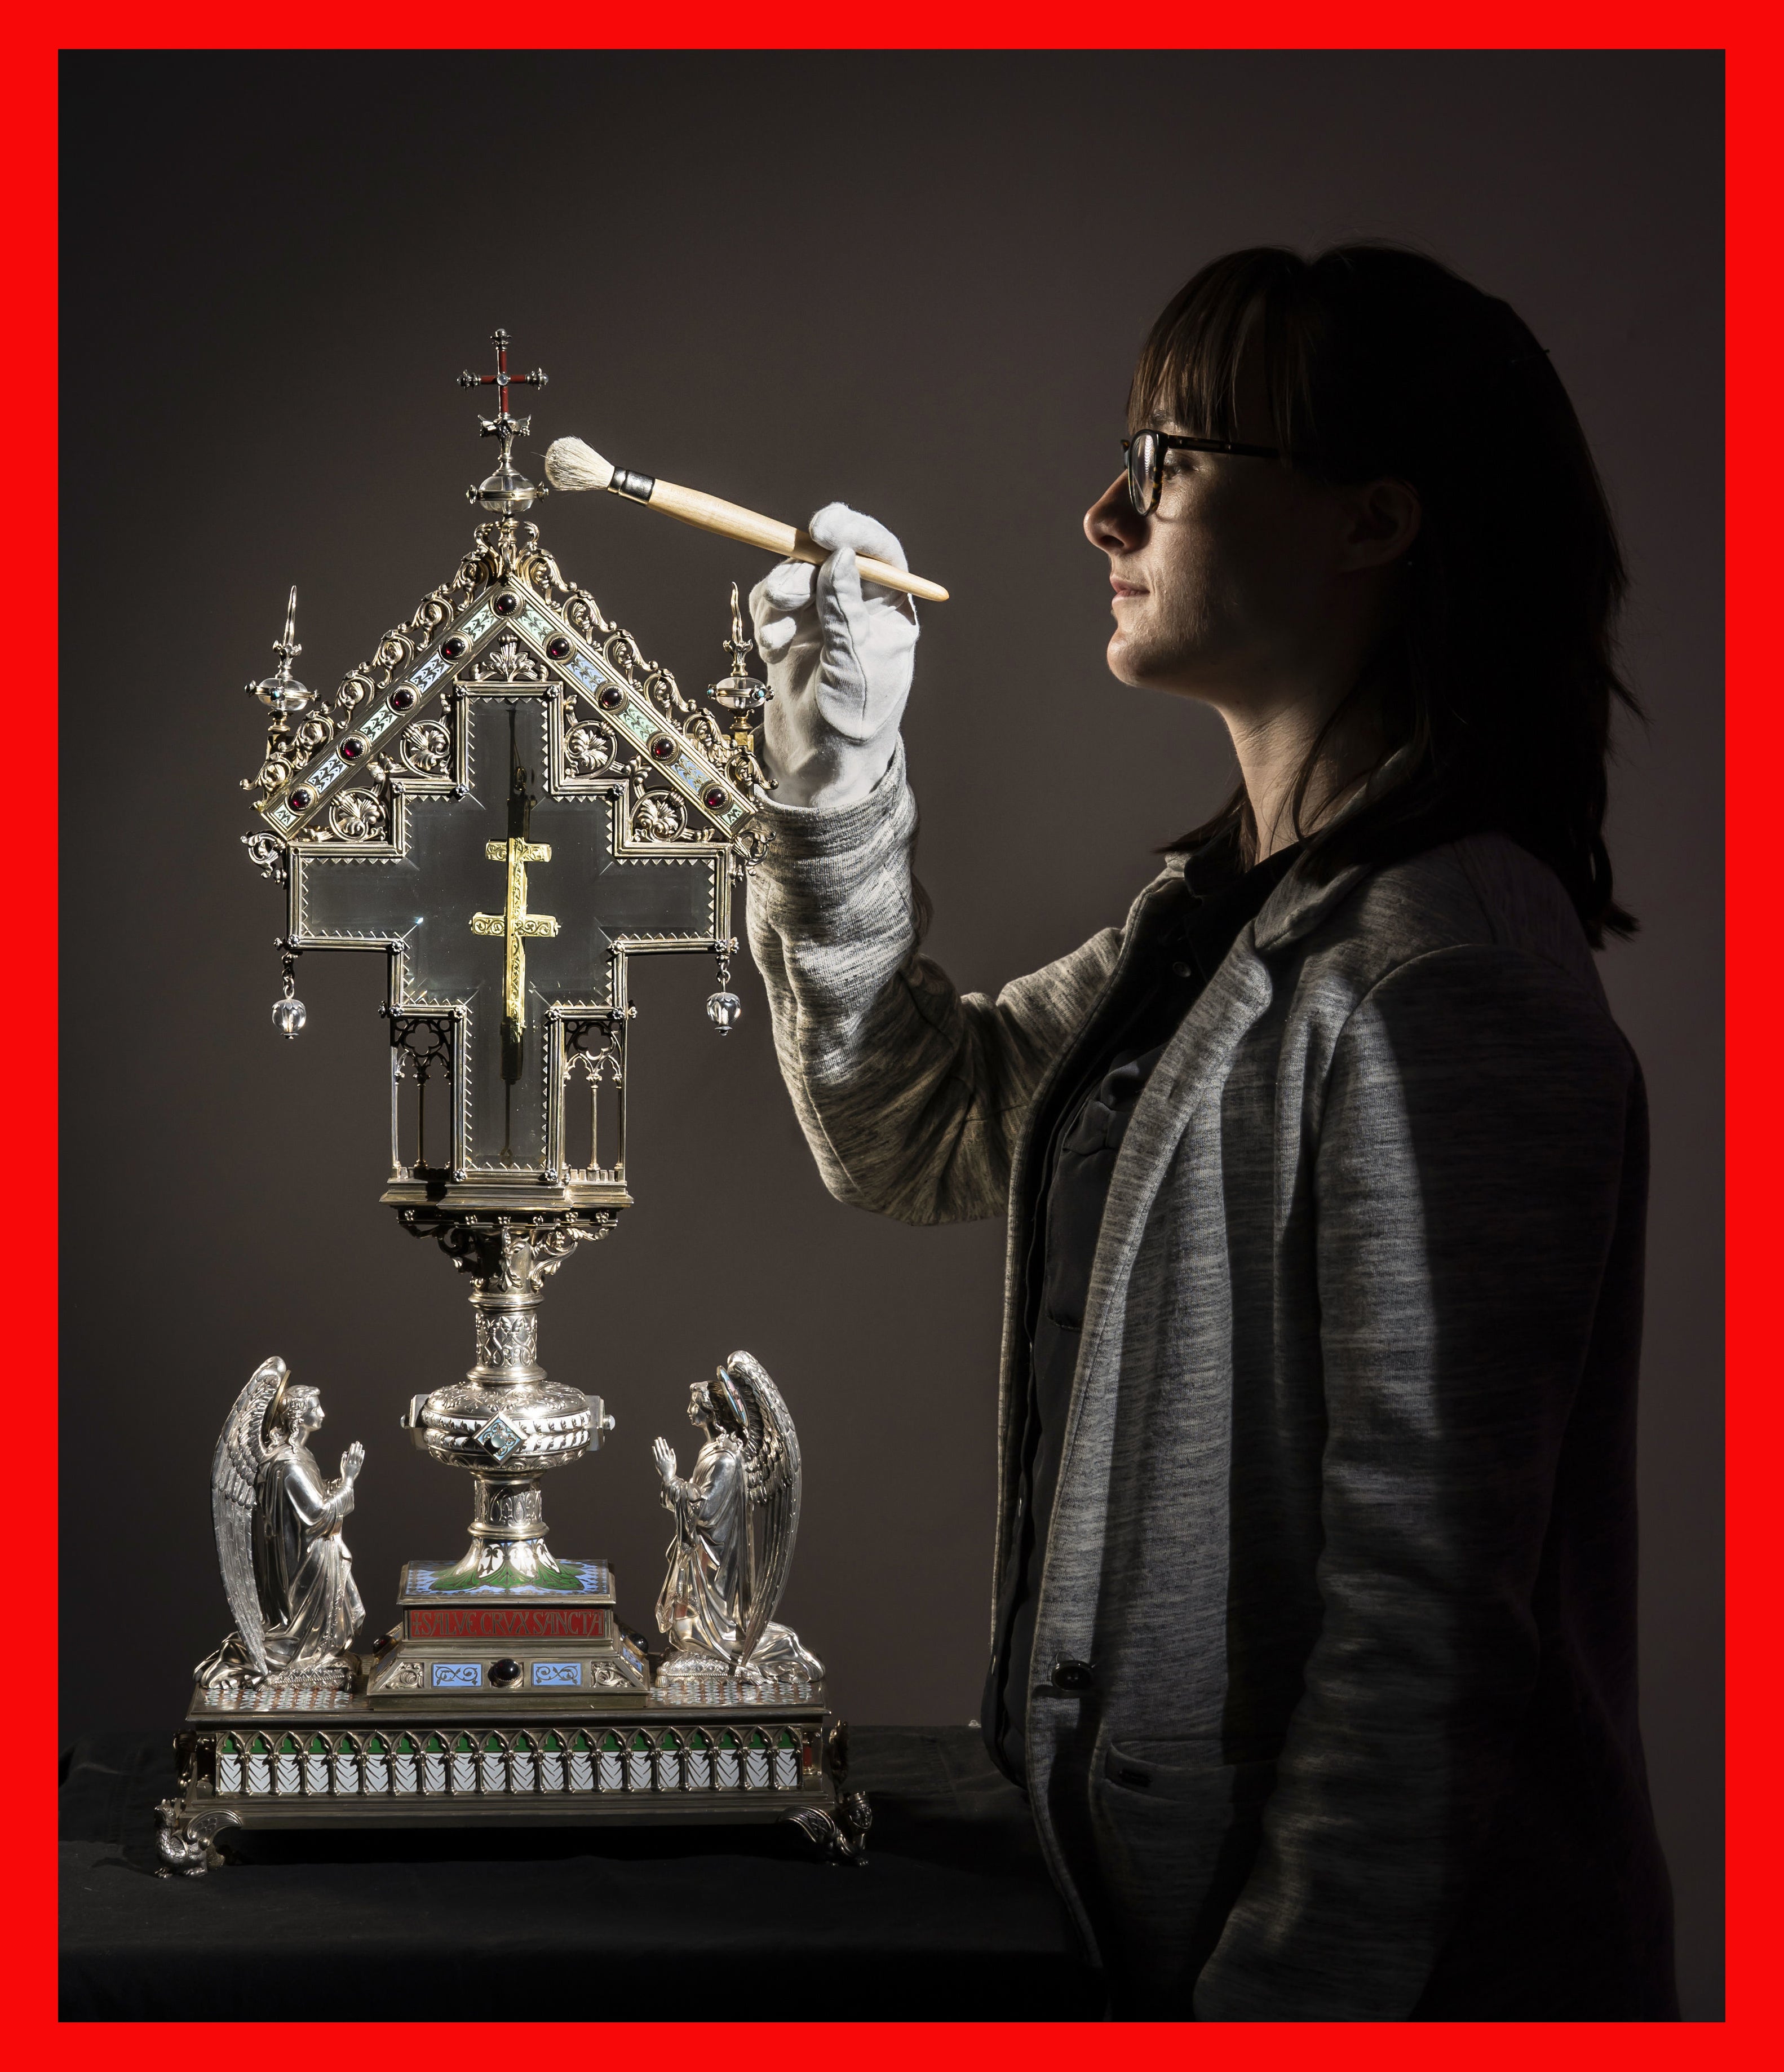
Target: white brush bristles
{"points": [[570, 464]]}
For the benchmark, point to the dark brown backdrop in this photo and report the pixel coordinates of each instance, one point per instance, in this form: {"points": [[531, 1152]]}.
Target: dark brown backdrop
{"points": [[916, 282]]}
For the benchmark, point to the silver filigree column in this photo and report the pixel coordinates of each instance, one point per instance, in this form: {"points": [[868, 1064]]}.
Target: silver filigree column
{"points": [[505, 1422]]}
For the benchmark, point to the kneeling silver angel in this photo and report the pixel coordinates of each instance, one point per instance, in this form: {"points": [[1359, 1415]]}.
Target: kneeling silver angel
{"points": [[736, 1517], [286, 1570]]}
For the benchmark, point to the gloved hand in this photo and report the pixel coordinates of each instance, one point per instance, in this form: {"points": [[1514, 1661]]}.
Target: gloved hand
{"points": [[838, 654]]}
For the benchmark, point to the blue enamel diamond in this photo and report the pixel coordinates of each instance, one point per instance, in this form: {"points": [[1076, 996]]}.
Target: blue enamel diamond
{"points": [[501, 1438]]}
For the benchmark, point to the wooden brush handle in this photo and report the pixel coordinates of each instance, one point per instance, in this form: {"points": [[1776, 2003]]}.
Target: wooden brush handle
{"points": [[731, 521]]}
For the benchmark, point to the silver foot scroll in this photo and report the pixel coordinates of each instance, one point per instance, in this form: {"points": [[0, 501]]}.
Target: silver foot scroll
{"points": [[187, 1840], [842, 1835]]}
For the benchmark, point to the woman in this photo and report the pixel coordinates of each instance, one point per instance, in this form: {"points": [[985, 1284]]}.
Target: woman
{"points": [[1313, 1625]]}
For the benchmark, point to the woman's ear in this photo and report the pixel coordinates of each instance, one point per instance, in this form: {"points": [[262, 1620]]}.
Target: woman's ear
{"points": [[1380, 524]]}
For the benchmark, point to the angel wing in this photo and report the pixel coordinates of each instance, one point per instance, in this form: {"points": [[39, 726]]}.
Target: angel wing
{"points": [[241, 1452], [772, 1477]]}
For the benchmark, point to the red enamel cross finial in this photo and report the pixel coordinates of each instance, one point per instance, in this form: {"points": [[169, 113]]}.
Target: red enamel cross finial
{"points": [[502, 380]]}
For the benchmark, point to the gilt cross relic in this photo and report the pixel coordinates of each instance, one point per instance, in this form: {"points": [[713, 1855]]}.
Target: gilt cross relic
{"points": [[514, 924]]}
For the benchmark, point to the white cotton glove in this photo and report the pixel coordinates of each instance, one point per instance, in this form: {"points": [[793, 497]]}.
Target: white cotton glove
{"points": [[839, 655]]}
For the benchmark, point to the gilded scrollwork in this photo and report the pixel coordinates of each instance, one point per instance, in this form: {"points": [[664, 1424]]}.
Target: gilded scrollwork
{"points": [[399, 647], [358, 815], [621, 652], [513, 1255], [507, 662], [433, 614], [506, 547], [426, 749], [665, 694], [507, 550], [287, 748], [731, 757], [485, 563], [585, 615], [589, 748], [703, 731], [659, 816], [267, 853], [538, 570]]}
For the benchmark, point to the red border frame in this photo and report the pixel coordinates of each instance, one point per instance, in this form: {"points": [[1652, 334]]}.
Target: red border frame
{"points": [[28, 161]]}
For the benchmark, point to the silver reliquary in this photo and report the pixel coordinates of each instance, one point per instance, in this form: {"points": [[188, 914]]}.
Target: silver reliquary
{"points": [[508, 804]]}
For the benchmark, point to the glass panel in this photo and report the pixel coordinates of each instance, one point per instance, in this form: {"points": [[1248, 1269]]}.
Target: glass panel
{"points": [[426, 899]]}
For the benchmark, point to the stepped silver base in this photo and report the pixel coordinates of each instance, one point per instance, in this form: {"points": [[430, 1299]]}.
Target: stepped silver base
{"points": [[318, 1758]]}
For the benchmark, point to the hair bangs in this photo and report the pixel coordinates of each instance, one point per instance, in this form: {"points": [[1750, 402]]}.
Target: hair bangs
{"points": [[1244, 306]]}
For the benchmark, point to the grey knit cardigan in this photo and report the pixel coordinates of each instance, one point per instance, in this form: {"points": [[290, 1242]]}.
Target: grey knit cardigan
{"points": [[1341, 1569]]}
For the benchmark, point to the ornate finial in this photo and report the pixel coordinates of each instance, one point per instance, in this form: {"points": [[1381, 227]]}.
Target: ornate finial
{"points": [[740, 692], [506, 490], [281, 691], [736, 647]]}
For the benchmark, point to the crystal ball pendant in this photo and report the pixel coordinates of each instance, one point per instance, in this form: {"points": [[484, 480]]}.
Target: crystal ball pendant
{"points": [[289, 1016], [724, 1010]]}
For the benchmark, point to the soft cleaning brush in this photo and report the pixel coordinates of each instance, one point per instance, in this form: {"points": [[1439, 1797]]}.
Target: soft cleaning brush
{"points": [[570, 464]]}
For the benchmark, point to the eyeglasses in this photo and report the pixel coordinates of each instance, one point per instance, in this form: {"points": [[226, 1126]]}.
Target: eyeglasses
{"points": [[1145, 454]]}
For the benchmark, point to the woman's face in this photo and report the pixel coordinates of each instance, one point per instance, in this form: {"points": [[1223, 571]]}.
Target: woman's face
{"points": [[1251, 585], [1225, 591]]}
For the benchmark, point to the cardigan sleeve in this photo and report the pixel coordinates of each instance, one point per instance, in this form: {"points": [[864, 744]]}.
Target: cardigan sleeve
{"points": [[1468, 1177], [912, 1096]]}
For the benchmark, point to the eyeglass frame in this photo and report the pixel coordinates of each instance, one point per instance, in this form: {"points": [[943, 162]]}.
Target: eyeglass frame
{"points": [[1172, 442]]}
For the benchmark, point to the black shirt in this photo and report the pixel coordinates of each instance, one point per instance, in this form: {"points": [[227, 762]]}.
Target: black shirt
{"points": [[1082, 1125]]}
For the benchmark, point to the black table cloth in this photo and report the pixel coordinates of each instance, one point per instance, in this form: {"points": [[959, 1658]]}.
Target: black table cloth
{"points": [[951, 1918]]}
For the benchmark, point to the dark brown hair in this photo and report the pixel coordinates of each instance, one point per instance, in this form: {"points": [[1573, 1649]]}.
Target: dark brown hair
{"points": [[1499, 676]]}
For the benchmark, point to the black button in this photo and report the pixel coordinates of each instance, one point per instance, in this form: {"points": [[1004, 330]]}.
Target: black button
{"points": [[1070, 1675], [504, 1672]]}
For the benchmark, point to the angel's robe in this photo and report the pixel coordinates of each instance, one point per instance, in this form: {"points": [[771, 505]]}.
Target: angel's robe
{"points": [[702, 1606], [303, 1573]]}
